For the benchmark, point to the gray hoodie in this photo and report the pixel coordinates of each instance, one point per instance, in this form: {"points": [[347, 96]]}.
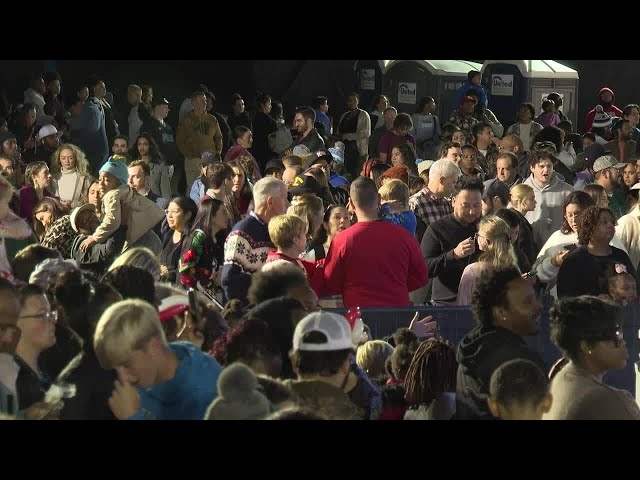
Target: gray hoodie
{"points": [[547, 217]]}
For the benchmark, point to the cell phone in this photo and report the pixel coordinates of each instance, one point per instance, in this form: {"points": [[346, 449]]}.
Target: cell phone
{"points": [[570, 247], [530, 274]]}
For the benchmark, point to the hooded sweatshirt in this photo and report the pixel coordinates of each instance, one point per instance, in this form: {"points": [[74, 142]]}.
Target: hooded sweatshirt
{"points": [[479, 354], [612, 110], [188, 394], [547, 217]]}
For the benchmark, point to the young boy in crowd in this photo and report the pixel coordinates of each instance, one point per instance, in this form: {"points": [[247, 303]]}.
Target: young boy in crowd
{"points": [[519, 390], [156, 380], [394, 197], [143, 213], [288, 233]]}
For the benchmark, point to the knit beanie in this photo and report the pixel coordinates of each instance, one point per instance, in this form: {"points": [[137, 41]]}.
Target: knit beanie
{"points": [[239, 397], [399, 172], [602, 119], [117, 169]]}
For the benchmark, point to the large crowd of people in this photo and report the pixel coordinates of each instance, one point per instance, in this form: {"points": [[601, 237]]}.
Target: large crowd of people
{"points": [[196, 271]]}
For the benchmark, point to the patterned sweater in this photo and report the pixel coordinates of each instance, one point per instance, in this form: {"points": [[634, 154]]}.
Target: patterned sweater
{"points": [[245, 251]]}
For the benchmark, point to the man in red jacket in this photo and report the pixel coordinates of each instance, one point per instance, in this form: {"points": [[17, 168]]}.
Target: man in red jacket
{"points": [[606, 97], [364, 266]]}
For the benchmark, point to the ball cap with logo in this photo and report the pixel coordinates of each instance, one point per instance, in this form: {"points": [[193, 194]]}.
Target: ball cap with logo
{"points": [[48, 130], [335, 328]]}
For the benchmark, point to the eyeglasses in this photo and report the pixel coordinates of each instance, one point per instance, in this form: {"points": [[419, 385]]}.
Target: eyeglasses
{"points": [[47, 316], [571, 216]]}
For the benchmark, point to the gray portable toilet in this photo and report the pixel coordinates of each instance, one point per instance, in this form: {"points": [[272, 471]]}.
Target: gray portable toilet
{"points": [[367, 81], [511, 82], [405, 81]]}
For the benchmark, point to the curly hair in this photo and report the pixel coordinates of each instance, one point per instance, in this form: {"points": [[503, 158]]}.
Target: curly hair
{"points": [[82, 165], [432, 372], [588, 222], [585, 318], [247, 342], [400, 360], [408, 153], [47, 204], [491, 291], [580, 198]]}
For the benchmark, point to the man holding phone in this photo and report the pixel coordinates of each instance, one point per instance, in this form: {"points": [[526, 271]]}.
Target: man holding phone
{"points": [[448, 245]]}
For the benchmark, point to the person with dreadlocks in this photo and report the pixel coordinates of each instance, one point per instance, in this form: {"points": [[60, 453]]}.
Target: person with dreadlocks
{"points": [[430, 383]]}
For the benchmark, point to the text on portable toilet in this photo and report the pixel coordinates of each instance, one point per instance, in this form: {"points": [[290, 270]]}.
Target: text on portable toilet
{"points": [[502, 85], [407, 93], [367, 79]]}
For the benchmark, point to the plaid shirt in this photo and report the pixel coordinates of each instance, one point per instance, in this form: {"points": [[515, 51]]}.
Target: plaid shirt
{"points": [[429, 208]]}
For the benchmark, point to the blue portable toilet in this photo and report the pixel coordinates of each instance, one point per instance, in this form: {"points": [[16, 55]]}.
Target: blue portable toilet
{"points": [[405, 81], [512, 82], [368, 81]]}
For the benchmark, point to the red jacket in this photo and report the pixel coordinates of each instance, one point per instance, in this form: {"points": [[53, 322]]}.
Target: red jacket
{"points": [[611, 110], [313, 270]]}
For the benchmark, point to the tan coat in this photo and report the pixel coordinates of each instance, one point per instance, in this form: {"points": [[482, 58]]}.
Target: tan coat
{"points": [[143, 215], [579, 396], [196, 134]]}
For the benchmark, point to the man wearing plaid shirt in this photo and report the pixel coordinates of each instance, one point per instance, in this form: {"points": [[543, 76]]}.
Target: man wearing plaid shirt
{"points": [[430, 203]]}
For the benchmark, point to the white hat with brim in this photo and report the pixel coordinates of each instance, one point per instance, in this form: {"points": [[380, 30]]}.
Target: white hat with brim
{"points": [[47, 131]]}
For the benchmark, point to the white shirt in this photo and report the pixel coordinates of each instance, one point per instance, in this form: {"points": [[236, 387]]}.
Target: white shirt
{"points": [[525, 135]]}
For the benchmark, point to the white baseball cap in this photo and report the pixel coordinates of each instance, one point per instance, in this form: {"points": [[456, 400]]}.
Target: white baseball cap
{"points": [[335, 328], [48, 130]]}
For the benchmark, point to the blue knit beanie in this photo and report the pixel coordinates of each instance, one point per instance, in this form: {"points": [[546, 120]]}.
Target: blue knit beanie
{"points": [[118, 169]]}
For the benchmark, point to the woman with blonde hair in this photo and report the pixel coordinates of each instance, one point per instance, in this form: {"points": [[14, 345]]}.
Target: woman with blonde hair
{"points": [[70, 180], [523, 200], [140, 257], [309, 208], [494, 242]]}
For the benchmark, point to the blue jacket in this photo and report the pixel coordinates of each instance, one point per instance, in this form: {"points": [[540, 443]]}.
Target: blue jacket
{"points": [[187, 395], [336, 180], [324, 118], [88, 130], [197, 190], [482, 93]]}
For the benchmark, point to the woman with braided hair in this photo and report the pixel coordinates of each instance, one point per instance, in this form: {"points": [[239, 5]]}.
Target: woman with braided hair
{"points": [[430, 383]]}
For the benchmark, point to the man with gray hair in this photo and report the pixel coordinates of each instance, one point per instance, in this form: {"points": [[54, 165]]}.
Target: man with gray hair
{"points": [[431, 203], [248, 244]]}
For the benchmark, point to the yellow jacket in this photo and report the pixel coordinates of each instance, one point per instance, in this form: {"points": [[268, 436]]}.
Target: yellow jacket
{"points": [[197, 134]]}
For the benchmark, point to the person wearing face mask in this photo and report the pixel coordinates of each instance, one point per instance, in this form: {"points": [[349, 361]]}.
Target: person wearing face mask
{"points": [[448, 245]]}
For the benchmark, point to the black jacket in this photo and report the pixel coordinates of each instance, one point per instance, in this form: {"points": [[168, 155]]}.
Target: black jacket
{"points": [[479, 354], [525, 239], [242, 120], [93, 388], [438, 243], [164, 138], [53, 360], [30, 386], [227, 137], [100, 256], [39, 154], [263, 126]]}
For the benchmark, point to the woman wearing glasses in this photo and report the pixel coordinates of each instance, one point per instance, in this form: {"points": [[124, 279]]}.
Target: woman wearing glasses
{"points": [[37, 322], [561, 242], [584, 272], [588, 331]]}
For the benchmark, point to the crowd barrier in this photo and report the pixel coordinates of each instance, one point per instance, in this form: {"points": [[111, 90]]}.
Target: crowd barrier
{"points": [[454, 323]]}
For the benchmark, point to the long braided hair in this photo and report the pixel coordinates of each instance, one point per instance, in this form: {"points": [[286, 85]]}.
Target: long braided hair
{"points": [[431, 373]]}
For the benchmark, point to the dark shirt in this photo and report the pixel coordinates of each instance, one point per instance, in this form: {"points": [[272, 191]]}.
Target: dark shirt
{"points": [[582, 273]]}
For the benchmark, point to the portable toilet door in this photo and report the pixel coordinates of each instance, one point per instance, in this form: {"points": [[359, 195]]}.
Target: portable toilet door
{"points": [[506, 89], [405, 81], [368, 81]]}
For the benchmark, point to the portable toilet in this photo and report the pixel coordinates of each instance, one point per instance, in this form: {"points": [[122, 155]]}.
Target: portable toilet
{"points": [[405, 81], [512, 82], [368, 81]]}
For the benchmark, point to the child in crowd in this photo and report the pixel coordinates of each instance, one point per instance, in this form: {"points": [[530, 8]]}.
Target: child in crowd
{"points": [[548, 118], [519, 390], [621, 286], [394, 196], [288, 233], [143, 213]]}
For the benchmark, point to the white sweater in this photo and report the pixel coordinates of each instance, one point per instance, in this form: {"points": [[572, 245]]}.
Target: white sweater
{"points": [[628, 230]]}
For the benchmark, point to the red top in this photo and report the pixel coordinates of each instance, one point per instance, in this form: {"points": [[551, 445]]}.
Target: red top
{"points": [[313, 270], [390, 140], [369, 271]]}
